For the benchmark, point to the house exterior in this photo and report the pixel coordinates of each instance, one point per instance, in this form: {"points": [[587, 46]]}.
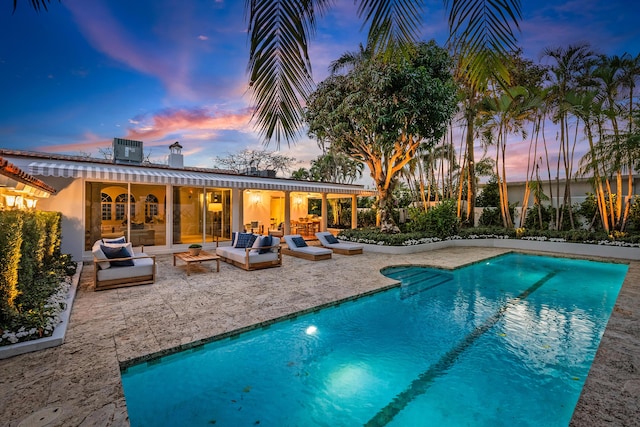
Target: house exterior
{"points": [[166, 207]]}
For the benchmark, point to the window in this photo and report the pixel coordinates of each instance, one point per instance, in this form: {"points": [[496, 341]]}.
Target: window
{"points": [[106, 207], [150, 207], [121, 207]]}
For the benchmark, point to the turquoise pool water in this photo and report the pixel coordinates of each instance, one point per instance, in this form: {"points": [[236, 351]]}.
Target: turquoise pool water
{"points": [[505, 342]]}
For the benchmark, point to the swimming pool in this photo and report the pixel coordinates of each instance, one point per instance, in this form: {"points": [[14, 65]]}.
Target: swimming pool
{"points": [[508, 341]]}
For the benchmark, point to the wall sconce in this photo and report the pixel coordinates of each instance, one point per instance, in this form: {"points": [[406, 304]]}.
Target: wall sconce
{"points": [[10, 201], [256, 198], [297, 201]]}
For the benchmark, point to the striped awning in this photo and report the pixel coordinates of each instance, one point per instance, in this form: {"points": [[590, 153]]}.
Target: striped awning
{"points": [[155, 175]]}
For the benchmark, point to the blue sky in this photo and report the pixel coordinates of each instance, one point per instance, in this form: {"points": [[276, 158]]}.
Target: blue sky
{"points": [[75, 77]]}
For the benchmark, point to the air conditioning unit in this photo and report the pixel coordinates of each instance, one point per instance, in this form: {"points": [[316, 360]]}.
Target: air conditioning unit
{"points": [[127, 151]]}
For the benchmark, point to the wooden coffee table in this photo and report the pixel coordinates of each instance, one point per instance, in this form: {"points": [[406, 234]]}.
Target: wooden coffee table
{"points": [[202, 257]]}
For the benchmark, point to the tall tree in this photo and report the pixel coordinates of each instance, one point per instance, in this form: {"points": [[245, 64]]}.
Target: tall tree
{"points": [[381, 111], [567, 75], [249, 161], [483, 32], [335, 167]]}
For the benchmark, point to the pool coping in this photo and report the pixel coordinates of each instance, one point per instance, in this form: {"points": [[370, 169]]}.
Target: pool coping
{"points": [[582, 249]]}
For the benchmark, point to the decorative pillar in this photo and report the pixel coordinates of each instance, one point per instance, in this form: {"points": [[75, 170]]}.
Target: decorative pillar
{"points": [[237, 209], [354, 211], [324, 211], [287, 213]]}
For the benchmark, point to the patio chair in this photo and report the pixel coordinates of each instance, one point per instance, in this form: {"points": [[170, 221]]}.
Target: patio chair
{"points": [[329, 241], [297, 247]]}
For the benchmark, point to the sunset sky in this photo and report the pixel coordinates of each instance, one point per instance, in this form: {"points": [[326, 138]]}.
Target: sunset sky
{"points": [[75, 77]]}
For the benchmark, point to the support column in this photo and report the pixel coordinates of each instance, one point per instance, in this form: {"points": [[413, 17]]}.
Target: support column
{"points": [[354, 211], [324, 211], [237, 209], [287, 213]]}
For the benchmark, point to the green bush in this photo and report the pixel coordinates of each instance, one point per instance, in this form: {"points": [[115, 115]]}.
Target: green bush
{"points": [[490, 194], [366, 218], [633, 223], [490, 217], [532, 221], [438, 221]]}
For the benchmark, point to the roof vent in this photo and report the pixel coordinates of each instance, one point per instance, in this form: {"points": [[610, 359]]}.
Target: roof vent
{"points": [[127, 151]]}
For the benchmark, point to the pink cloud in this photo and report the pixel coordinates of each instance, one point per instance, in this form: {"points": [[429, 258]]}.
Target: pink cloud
{"points": [[184, 120], [87, 143], [197, 124]]}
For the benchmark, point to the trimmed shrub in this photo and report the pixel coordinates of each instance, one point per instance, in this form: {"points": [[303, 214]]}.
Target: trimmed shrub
{"points": [[10, 243]]}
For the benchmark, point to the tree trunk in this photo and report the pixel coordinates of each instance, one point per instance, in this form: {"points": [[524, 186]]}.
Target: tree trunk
{"points": [[385, 204], [471, 176]]}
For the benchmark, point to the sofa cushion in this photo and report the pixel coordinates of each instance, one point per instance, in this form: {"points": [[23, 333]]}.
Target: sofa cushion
{"points": [[118, 252], [143, 266], [240, 255]]}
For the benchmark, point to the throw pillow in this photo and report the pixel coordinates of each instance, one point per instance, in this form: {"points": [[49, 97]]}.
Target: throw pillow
{"points": [[257, 243], [120, 252], [245, 240], [127, 246], [331, 239], [265, 242], [116, 240], [299, 242], [97, 252]]}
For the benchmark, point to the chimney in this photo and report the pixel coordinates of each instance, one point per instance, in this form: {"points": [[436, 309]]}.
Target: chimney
{"points": [[176, 160]]}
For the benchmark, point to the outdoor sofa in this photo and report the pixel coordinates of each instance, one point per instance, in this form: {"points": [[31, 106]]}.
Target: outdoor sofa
{"points": [[296, 246], [116, 264], [252, 252], [329, 241]]}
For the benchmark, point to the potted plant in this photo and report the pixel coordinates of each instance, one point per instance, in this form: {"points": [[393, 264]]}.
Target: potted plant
{"points": [[194, 249]]}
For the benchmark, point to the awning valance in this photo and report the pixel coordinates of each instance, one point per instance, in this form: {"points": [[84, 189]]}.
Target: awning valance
{"points": [[151, 175]]}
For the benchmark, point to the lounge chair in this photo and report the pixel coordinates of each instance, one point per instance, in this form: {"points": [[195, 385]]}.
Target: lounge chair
{"points": [[296, 246], [330, 242], [260, 254]]}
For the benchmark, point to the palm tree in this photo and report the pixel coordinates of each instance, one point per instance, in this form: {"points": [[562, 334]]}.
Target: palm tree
{"points": [[566, 73], [505, 114], [279, 32]]}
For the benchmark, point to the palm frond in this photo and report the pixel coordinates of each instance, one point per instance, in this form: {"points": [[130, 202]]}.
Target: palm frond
{"points": [[279, 66], [392, 22], [483, 32], [37, 5]]}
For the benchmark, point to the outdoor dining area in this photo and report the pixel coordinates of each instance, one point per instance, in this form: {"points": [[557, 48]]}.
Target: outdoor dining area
{"points": [[306, 226]]}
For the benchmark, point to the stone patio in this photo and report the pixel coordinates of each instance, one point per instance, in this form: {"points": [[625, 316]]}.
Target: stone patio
{"points": [[78, 383]]}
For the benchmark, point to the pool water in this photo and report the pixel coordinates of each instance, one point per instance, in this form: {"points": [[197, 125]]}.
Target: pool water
{"points": [[508, 341]]}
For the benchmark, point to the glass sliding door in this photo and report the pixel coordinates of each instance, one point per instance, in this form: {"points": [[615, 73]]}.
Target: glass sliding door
{"points": [[117, 209], [201, 214]]}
